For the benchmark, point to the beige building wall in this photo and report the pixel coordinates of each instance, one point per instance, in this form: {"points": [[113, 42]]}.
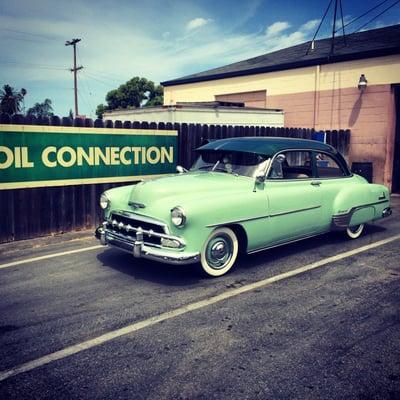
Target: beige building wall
{"points": [[323, 97]]}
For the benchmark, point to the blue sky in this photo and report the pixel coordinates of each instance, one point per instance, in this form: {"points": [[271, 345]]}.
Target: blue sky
{"points": [[156, 39]]}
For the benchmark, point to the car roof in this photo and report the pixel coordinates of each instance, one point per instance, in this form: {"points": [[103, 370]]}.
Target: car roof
{"points": [[265, 145]]}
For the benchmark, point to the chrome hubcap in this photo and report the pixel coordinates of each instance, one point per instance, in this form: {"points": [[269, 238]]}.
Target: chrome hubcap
{"points": [[219, 251]]}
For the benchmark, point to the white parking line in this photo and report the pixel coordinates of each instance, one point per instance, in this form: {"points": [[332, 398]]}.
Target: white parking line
{"points": [[64, 253], [77, 348]]}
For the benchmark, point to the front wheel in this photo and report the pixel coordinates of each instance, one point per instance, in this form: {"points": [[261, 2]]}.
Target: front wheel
{"points": [[354, 232], [219, 252]]}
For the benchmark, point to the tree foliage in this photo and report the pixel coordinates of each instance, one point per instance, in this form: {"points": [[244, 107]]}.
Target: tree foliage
{"points": [[137, 92], [10, 100], [44, 109]]}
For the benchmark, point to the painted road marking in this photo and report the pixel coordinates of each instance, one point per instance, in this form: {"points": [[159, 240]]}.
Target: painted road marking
{"points": [[77, 348], [64, 253]]}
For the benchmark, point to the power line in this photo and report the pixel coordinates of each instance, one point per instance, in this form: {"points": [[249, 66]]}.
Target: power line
{"points": [[319, 26], [100, 80], [107, 77], [84, 100], [377, 16], [104, 74], [39, 66], [333, 28], [341, 14], [24, 39], [46, 37], [89, 94], [367, 12]]}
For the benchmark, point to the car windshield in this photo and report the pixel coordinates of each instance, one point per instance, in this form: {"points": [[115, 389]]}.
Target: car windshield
{"points": [[235, 162]]}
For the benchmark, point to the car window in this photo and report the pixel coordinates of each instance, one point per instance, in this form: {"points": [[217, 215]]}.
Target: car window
{"points": [[238, 163], [327, 167], [291, 165]]}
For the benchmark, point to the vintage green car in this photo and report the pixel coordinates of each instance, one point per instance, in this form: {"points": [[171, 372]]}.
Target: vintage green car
{"points": [[242, 194]]}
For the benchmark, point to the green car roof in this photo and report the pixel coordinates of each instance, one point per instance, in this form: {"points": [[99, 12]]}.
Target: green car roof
{"points": [[265, 145]]}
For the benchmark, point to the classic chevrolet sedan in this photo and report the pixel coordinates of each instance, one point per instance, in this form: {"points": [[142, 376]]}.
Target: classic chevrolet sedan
{"points": [[242, 194]]}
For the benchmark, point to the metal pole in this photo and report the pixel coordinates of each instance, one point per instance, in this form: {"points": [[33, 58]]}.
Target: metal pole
{"points": [[73, 43], [333, 28], [75, 84]]}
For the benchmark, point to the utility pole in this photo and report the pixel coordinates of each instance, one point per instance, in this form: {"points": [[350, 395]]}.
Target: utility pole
{"points": [[73, 42]]}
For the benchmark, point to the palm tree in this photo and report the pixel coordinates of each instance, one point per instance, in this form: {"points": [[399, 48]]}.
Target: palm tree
{"points": [[10, 100], [44, 109]]}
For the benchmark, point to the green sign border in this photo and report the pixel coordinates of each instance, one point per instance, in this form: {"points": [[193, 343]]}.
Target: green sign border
{"points": [[75, 130]]}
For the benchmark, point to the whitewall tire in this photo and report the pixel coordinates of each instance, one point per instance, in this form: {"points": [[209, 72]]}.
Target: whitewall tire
{"points": [[219, 252], [354, 232]]}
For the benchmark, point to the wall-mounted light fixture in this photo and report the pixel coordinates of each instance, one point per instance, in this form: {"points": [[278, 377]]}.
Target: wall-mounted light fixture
{"points": [[362, 83]]}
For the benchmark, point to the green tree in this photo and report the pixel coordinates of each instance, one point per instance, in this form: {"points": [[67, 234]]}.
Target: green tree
{"points": [[10, 100], [44, 109], [100, 110], [137, 92], [156, 98]]}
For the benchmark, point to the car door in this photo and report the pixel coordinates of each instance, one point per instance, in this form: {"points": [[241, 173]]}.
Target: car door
{"points": [[293, 195], [332, 175]]}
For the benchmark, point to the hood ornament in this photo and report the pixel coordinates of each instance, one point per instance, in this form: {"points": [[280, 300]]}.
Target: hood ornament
{"points": [[136, 205]]}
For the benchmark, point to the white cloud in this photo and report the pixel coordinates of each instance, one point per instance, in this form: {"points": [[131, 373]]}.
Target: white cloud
{"points": [[276, 28], [277, 36], [197, 23], [310, 25]]}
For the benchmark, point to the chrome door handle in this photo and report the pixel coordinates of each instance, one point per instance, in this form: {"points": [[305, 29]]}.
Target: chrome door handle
{"points": [[315, 183]]}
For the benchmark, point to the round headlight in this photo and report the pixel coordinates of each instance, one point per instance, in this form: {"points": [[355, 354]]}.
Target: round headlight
{"points": [[178, 216], [104, 201]]}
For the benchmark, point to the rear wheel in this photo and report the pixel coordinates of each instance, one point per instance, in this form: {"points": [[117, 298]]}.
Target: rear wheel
{"points": [[219, 252], [354, 232]]}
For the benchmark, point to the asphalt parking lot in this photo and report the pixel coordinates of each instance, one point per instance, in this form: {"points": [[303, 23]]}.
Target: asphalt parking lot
{"points": [[315, 319]]}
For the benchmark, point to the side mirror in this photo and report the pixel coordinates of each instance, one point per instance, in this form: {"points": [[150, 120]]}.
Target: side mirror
{"points": [[260, 179], [181, 169], [280, 158]]}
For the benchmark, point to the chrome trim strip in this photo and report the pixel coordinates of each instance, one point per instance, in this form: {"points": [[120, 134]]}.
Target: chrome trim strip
{"points": [[139, 217], [136, 205], [149, 233], [138, 249], [236, 221], [261, 217], [294, 211], [343, 220]]}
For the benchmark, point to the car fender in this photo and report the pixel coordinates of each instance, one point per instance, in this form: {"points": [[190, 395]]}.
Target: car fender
{"points": [[223, 210], [359, 204]]}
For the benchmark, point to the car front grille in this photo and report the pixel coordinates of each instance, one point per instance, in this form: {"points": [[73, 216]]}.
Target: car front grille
{"points": [[128, 225]]}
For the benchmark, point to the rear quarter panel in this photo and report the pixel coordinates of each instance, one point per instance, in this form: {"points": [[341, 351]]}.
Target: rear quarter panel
{"points": [[369, 200]]}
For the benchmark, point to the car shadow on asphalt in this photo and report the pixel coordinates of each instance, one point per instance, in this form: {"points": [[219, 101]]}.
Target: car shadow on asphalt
{"points": [[303, 247], [142, 269], [185, 275]]}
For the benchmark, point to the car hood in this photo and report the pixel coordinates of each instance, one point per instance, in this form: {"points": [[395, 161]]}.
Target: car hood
{"points": [[185, 188]]}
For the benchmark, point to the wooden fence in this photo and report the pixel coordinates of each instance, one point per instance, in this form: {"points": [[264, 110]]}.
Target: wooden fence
{"points": [[28, 213]]}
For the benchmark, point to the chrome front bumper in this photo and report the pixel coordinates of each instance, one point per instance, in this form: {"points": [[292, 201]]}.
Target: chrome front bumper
{"points": [[140, 250]]}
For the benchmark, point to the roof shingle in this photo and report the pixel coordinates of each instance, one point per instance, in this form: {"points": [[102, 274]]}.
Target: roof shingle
{"points": [[361, 45]]}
